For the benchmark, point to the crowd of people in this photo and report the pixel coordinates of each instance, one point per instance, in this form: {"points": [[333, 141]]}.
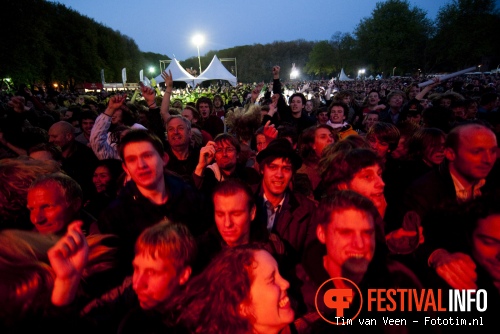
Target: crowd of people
{"points": [[139, 212]]}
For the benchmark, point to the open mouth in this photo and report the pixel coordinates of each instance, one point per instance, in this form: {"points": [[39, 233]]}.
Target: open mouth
{"points": [[284, 302]]}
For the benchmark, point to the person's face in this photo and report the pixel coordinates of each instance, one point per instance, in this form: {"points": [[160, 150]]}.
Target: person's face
{"points": [[401, 151], [413, 92], [269, 301], [486, 245], [322, 137], [67, 115], [435, 155], [296, 105], [225, 155], [117, 117], [277, 176], [368, 182], [261, 142], [349, 237], [471, 111], [101, 178], [381, 147], [50, 105], [87, 125], [459, 112], [49, 210], [58, 137], [347, 99], [217, 103], [396, 101], [370, 120], [186, 113], [337, 114], [373, 99], [204, 109], [178, 134], [233, 217], [416, 119], [475, 155], [143, 164], [446, 103], [154, 279], [235, 99], [323, 117], [309, 106]]}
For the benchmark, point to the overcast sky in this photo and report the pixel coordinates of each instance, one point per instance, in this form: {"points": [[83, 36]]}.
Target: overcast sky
{"points": [[168, 27]]}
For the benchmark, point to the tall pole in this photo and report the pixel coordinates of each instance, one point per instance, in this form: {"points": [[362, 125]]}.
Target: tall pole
{"points": [[199, 59]]}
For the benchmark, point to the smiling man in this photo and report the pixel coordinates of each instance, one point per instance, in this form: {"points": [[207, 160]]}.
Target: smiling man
{"points": [[54, 201], [151, 195], [287, 213]]}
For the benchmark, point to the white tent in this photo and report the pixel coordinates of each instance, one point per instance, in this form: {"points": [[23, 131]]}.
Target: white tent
{"points": [[343, 77], [216, 71], [178, 73]]}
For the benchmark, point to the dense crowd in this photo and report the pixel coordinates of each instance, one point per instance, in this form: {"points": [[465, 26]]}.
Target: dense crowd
{"points": [[224, 209]]}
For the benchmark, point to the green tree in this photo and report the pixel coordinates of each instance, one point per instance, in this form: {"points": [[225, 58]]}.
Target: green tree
{"points": [[394, 36], [321, 59], [466, 35]]}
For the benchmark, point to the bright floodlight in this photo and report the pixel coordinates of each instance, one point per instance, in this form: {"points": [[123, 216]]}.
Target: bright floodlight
{"points": [[198, 40], [151, 69], [294, 74]]}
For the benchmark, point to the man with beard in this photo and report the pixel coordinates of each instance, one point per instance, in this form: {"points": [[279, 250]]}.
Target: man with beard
{"points": [[182, 157], [224, 150]]}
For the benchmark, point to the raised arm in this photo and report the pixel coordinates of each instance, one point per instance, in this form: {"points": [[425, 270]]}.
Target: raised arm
{"points": [[68, 257], [165, 103]]}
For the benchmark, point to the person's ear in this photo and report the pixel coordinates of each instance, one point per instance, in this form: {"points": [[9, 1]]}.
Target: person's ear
{"points": [[343, 186], [449, 154], [124, 166], [321, 233], [185, 275]]}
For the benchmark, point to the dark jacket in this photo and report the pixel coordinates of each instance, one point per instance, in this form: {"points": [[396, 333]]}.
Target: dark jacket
{"points": [[130, 213], [293, 223]]}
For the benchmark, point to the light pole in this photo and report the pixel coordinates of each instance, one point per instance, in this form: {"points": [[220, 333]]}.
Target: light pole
{"points": [[393, 70], [198, 39]]}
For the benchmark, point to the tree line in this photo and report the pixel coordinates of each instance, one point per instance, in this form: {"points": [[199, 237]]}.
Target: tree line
{"points": [[47, 42]]}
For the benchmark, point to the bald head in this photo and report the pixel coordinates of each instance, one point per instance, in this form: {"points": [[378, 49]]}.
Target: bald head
{"points": [[62, 134], [471, 151]]}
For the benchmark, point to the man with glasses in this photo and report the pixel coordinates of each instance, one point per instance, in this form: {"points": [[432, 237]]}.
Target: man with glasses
{"points": [[224, 150]]}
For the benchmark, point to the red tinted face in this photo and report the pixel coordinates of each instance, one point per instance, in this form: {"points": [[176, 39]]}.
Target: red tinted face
{"points": [[296, 105], [204, 109], [475, 155], [276, 177], [49, 210]]}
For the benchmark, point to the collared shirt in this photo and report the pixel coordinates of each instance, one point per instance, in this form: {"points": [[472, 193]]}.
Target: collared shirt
{"points": [[272, 211], [464, 194]]}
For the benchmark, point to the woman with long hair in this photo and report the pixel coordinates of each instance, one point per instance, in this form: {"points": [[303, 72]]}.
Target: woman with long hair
{"points": [[241, 291]]}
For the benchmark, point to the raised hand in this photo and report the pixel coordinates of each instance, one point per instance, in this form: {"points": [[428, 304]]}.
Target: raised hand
{"points": [[169, 83], [148, 93], [116, 101], [69, 255]]}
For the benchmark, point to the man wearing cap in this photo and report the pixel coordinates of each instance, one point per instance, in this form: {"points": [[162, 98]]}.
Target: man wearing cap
{"points": [[287, 213]]}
